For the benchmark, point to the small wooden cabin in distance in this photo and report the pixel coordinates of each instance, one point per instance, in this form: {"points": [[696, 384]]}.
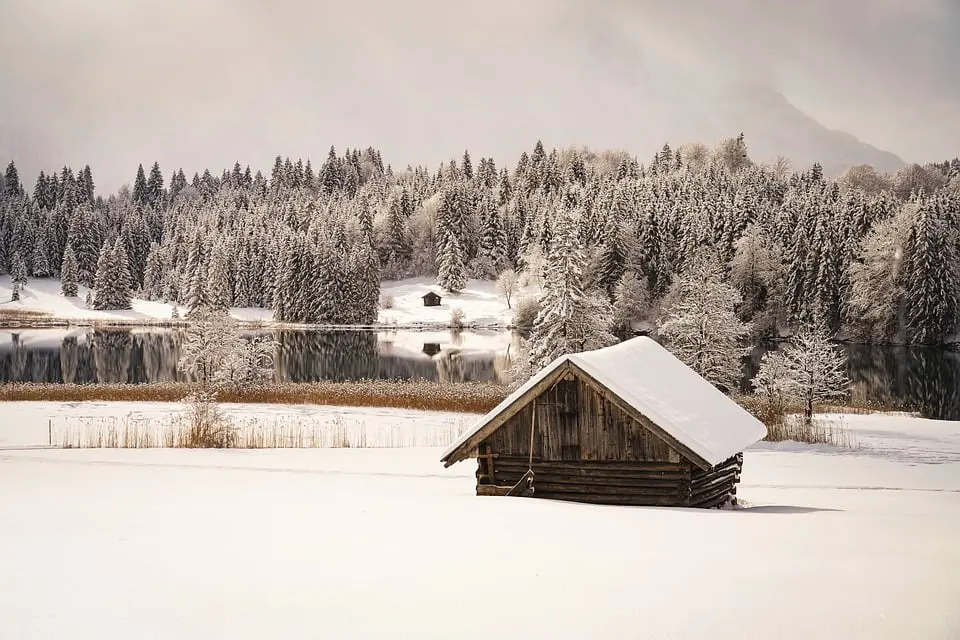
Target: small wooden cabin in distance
{"points": [[431, 299], [628, 424]]}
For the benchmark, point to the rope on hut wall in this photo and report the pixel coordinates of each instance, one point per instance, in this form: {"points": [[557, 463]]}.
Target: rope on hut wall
{"points": [[528, 476]]}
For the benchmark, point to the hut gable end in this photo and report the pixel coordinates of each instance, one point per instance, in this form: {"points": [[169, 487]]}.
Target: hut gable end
{"points": [[576, 421]]}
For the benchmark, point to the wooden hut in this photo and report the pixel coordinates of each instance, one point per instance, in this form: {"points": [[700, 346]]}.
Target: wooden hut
{"points": [[431, 299], [629, 424]]}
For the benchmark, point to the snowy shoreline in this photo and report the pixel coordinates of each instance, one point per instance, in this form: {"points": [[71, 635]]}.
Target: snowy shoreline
{"points": [[41, 305]]}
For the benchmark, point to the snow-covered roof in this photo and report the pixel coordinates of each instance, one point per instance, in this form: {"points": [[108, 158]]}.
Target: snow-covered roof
{"points": [[653, 382]]}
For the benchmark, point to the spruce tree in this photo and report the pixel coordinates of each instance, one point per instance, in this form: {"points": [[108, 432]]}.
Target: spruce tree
{"points": [[569, 321], [219, 284], [154, 193], [613, 258], [68, 274], [141, 194], [11, 181], [197, 294], [18, 269], [112, 282], [932, 280], [39, 264], [452, 273]]}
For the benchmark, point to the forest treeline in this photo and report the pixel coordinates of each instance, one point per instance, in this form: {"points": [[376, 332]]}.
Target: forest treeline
{"points": [[872, 257]]}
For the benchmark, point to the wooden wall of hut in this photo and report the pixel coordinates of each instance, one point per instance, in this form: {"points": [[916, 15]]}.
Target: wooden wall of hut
{"points": [[586, 449], [574, 422]]}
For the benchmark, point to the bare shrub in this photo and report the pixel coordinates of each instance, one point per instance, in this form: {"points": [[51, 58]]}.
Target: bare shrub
{"points": [[387, 301], [456, 318], [526, 312], [205, 425], [508, 284]]}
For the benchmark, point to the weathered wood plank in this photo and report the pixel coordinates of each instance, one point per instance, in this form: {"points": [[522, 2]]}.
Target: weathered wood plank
{"points": [[633, 483], [470, 445], [641, 419], [492, 490], [545, 488], [591, 464], [635, 501]]}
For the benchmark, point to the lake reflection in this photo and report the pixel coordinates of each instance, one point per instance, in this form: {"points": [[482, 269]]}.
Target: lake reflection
{"points": [[135, 356], [920, 379]]}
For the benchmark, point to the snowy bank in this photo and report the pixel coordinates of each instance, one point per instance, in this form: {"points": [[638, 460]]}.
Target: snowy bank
{"points": [[481, 303]]}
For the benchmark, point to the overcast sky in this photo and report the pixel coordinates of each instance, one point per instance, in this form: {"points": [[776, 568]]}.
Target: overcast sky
{"points": [[198, 83]]}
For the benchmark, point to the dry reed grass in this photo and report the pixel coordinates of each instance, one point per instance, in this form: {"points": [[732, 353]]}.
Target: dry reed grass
{"points": [[461, 397], [820, 431], [786, 422], [282, 432], [22, 314]]}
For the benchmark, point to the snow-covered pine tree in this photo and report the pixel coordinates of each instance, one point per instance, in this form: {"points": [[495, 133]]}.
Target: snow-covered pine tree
{"points": [[84, 237], [452, 272], [112, 282], [219, 286], [141, 195], [492, 250], [153, 274], [569, 320], [18, 269], [197, 293], [631, 303], [68, 274], [700, 323], [451, 256], [39, 265], [124, 280], [932, 282], [154, 194], [612, 258]]}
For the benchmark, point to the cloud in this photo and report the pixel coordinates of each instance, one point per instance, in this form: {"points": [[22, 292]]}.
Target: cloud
{"points": [[201, 83]]}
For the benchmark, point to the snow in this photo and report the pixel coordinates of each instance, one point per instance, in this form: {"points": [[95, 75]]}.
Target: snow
{"points": [[386, 543], [32, 424], [42, 295], [482, 305], [653, 381]]}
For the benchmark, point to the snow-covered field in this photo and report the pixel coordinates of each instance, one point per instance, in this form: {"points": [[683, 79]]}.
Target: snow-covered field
{"points": [[482, 305], [386, 543]]}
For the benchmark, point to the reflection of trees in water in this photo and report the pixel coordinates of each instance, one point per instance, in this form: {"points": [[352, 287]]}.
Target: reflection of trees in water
{"points": [[329, 355], [19, 358], [112, 351], [69, 359], [159, 353], [921, 379]]}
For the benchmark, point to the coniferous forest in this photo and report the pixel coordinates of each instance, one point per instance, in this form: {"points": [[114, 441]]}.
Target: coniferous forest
{"points": [[871, 257]]}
